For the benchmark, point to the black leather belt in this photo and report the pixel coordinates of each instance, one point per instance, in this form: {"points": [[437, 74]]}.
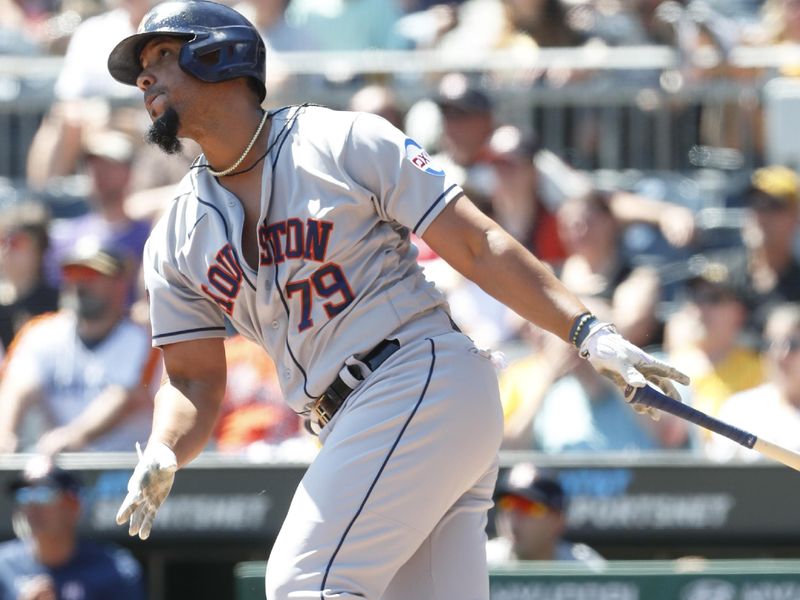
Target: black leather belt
{"points": [[332, 399]]}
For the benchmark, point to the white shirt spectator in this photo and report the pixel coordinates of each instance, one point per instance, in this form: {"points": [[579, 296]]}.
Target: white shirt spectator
{"points": [[760, 410], [70, 375], [84, 73]]}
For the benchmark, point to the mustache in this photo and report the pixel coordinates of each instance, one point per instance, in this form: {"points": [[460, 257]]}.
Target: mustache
{"points": [[163, 132]]}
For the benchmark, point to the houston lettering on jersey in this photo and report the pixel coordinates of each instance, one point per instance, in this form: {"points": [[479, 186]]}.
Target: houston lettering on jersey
{"points": [[225, 276], [293, 239]]}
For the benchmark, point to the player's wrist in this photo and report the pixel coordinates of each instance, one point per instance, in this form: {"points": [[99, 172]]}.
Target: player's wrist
{"points": [[160, 454], [581, 327]]}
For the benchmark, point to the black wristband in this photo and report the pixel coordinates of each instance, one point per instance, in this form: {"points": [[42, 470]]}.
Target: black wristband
{"points": [[580, 328]]}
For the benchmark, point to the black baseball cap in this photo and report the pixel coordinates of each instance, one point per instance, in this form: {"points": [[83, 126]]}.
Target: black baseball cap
{"points": [[42, 472], [726, 274], [458, 92], [536, 485]]}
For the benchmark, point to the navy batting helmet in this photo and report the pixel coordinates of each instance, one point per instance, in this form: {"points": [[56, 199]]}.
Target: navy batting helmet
{"points": [[220, 43]]}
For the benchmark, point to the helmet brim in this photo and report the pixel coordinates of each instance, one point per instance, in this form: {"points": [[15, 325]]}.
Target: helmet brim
{"points": [[123, 62]]}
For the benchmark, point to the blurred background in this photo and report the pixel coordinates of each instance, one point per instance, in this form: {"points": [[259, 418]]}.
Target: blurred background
{"points": [[647, 150]]}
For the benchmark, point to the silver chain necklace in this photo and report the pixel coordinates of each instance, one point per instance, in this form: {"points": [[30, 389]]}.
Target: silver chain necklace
{"points": [[245, 153]]}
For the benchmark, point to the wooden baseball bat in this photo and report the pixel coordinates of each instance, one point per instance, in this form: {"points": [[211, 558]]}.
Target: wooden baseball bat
{"points": [[649, 396]]}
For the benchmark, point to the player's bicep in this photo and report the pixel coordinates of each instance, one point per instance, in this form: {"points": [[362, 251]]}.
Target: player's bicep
{"points": [[196, 364], [461, 234]]}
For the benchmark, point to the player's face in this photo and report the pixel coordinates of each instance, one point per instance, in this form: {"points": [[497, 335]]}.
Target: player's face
{"points": [[170, 95], [161, 75]]}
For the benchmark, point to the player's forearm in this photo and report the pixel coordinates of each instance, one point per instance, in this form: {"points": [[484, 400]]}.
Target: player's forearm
{"points": [[505, 269], [184, 416], [482, 251]]}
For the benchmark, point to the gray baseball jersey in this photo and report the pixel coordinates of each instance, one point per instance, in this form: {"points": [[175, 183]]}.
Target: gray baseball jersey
{"points": [[341, 194]]}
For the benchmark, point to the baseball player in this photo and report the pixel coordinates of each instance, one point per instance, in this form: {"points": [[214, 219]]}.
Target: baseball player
{"points": [[294, 226]]}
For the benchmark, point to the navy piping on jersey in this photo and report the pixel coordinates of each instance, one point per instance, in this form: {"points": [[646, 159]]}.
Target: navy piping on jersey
{"points": [[230, 235], [196, 223], [380, 471], [432, 206], [287, 128], [180, 331]]}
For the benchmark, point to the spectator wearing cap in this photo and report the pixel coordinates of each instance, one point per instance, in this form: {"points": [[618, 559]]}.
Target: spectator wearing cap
{"points": [[49, 560], [87, 369], [526, 194], [533, 182], [769, 232], [108, 154], [467, 125], [771, 409], [530, 520], [706, 336], [24, 291]]}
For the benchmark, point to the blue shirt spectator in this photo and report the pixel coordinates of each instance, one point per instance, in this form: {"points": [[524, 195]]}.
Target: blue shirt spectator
{"points": [[49, 560]]}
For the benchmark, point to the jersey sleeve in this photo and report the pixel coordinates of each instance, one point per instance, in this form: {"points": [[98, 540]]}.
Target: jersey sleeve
{"points": [[178, 311], [407, 186]]}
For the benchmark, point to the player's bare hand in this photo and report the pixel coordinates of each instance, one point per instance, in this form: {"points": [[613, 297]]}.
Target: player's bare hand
{"points": [[626, 364], [148, 487]]}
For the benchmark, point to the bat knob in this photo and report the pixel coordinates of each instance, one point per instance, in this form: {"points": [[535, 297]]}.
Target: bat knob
{"points": [[630, 393]]}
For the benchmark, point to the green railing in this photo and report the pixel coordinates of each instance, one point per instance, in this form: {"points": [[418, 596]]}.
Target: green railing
{"points": [[686, 579]]}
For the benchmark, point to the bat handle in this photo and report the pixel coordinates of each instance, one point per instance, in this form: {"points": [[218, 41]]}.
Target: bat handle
{"points": [[649, 396]]}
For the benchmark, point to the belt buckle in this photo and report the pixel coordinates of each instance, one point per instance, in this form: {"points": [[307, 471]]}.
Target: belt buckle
{"points": [[323, 416]]}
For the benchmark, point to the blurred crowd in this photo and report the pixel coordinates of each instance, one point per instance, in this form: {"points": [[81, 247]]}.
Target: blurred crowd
{"points": [[720, 302]]}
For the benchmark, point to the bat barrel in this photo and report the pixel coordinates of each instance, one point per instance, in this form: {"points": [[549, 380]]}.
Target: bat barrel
{"points": [[649, 396]]}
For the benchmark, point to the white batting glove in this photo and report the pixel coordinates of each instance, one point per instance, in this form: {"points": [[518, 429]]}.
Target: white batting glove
{"points": [[147, 488], [625, 364]]}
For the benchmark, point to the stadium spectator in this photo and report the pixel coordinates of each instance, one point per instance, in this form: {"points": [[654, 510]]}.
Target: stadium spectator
{"points": [[269, 17], [769, 233], [466, 130], [553, 403], [526, 194], [87, 370], [108, 155], [705, 337], [530, 520], [24, 291], [595, 264], [49, 560], [771, 409], [254, 419], [532, 183], [352, 25], [379, 100], [82, 81]]}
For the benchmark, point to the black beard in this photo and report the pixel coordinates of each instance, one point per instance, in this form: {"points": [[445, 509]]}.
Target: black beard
{"points": [[164, 132]]}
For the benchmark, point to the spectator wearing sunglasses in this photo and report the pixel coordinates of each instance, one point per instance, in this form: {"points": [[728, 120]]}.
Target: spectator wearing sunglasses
{"points": [[87, 370], [771, 409], [48, 560], [530, 518], [707, 337]]}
